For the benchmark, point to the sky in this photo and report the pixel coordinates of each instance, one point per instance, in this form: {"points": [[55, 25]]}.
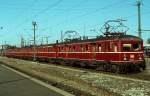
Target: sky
{"points": [[54, 16]]}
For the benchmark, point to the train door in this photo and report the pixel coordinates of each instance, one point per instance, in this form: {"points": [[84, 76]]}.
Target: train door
{"points": [[56, 49], [93, 51], [114, 50], [66, 51]]}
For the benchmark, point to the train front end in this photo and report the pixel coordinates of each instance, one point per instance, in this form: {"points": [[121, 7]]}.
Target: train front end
{"points": [[132, 52]]}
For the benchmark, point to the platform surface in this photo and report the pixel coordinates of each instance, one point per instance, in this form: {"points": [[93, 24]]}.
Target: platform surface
{"points": [[12, 84]]}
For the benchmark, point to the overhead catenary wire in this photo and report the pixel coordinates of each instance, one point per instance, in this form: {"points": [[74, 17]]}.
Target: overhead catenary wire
{"points": [[71, 8], [25, 11], [88, 13], [130, 16], [40, 12], [48, 8]]}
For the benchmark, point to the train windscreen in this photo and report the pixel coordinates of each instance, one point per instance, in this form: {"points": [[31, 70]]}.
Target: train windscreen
{"points": [[127, 47], [132, 47]]}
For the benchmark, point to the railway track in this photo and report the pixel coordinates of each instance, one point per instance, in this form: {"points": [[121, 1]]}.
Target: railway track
{"points": [[143, 75]]}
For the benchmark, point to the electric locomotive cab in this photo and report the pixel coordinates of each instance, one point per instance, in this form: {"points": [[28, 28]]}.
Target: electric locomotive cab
{"points": [[132, 51]]}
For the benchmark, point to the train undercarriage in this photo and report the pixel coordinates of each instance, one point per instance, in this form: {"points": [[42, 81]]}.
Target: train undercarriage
{"points": [[127, 67], [123, 68]]}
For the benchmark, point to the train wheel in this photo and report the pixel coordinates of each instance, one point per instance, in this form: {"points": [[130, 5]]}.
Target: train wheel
{"points": [[125, 68], [99, 67], [107, 67], [113, 68], [83, 64], [76, 64], [103, 67], [137, 69], [144, 65], [118, 69]]}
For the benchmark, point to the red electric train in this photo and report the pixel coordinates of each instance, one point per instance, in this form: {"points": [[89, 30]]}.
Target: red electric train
{"points": [[114, 52]]}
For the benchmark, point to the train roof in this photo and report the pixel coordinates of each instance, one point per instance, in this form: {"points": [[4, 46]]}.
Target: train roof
{"points": [[123, 37], [99, 38]]}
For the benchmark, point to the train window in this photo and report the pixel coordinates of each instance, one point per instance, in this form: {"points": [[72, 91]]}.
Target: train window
{"points": [[73, 49], [49, 49], [82, 49], [115, 48], [126, 47], [87, 48], [59, 49], [99, 48], [94, 48], [136, 46], [69, 48], [62, 49]]}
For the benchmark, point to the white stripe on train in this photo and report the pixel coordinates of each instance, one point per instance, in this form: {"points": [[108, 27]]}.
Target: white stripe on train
{"points": [[78, 52]]}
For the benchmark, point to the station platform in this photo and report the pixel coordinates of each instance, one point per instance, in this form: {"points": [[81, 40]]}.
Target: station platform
{"points": [[13, 84]]}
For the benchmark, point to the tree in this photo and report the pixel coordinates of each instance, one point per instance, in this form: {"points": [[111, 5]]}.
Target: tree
{"points": [[148, 40]]}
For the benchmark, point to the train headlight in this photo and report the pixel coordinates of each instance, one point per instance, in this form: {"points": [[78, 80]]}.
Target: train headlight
{"points": [[140, 58], [124, 57], [132, 56]]}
